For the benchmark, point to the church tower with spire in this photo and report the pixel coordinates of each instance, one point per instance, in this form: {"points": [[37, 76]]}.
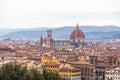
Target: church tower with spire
{"points": [[41, 42]]}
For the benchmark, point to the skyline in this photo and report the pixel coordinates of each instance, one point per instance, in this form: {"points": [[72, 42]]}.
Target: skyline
{"points": [[38, 13]]}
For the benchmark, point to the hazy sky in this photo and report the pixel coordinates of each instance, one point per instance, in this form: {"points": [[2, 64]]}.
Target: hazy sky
{"points": [[57, 13]]}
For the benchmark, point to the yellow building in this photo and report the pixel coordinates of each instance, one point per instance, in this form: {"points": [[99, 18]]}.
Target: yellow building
{"points": [[52, 67], [65, 71], [45, 60], [70, 73], [51, 64]]}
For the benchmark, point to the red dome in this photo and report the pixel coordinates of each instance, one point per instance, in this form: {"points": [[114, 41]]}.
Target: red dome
{"points": [[77, 33]]}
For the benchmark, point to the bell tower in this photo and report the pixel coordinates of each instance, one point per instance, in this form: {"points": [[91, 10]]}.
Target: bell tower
{"points": [[49, 34]]}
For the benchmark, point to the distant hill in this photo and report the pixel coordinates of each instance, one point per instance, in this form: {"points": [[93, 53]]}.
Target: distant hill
{"points": [[103, 35], [100, 28], [4, 31], [91, 32]]}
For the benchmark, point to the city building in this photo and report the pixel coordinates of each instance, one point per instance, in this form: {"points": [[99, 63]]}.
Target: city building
{"points": [[77, 40], [95, 69], [113, 74], [70, 73], [64, 70]]}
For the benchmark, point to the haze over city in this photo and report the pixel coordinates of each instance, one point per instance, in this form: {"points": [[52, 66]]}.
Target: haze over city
{"points": [[58, 13], [59, 40]]}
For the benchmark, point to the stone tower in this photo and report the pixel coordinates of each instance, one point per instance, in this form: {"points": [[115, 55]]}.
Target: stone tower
{"points": [[49, 34], [50, 39], [41, 42]]}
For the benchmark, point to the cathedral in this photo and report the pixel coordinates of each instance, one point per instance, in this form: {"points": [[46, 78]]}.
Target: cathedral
{"points": [[77, 40]]}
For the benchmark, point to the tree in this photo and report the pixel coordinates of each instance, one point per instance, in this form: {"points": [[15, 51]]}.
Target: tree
{"points": [[16, 72], [12, 72], [49, 75]]}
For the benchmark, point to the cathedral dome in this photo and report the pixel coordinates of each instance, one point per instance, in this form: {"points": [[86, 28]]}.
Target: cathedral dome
{"points": [[77, 33]]}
